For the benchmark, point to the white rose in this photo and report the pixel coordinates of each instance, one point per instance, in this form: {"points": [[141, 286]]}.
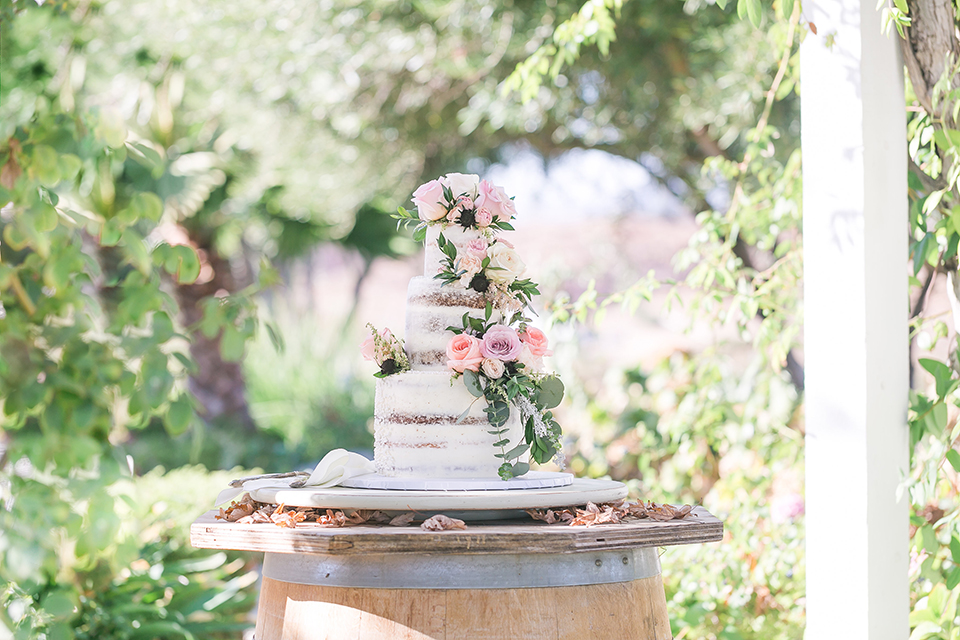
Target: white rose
{"points": [[492, 368], [508, 265], [460, 183]]}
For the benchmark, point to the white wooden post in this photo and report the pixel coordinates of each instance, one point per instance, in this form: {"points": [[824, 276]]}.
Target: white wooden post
{"points": [[855, 335]]}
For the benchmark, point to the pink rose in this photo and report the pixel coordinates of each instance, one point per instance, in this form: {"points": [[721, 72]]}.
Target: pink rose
{"points": [[463, 352], [429, 200], [367, 348], [483, 217], [476, 247], [536, 341], [464, 202], [501, 342], [495, 201]]}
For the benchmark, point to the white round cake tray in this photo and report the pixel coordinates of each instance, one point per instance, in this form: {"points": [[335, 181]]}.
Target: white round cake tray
{"points": [[473, 505], [529, 480]]}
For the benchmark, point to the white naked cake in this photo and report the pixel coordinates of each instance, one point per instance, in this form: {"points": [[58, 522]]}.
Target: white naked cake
{"points": [[465, 396]]}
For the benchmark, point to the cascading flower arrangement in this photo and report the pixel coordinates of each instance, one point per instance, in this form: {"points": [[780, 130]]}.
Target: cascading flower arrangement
{"points": [[504, 366], [499, 359]]}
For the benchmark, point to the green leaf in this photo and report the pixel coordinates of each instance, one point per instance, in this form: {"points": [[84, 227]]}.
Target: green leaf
{"points": [[953, 578], [936, 420], [754, 12], [178, 416], [463, 416], [188, 264], [517, 451], [231, 344], [520, 468], [47, 165], [941, 373], [110, 233], [472, 381], [551, 392], [955, 551], [722, 4], [953, 457], [920, 251], [787, 6]]}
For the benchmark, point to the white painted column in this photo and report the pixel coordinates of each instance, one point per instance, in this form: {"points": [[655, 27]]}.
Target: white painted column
{"points": [[855, 324]]}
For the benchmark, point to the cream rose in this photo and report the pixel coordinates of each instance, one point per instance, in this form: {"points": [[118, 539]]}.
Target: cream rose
{"points": [[530, 362], [492, 368], [429, 200], [470, 263], [507, 265], [460, 184]]}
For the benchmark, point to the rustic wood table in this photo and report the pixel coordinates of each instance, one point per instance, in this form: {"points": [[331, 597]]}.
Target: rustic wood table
{"points": [[491, 581]]}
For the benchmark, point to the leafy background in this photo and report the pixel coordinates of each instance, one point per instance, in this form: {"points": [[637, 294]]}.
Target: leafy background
{"points": [[196, 226]]}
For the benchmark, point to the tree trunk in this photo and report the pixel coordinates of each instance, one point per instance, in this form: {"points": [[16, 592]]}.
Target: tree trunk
{"points": [[218, 385], [929, 38]]}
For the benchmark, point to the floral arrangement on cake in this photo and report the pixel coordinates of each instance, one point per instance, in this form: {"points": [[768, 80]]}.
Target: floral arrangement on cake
{"points": [[503, 365], [386, 350], [461, 199]]}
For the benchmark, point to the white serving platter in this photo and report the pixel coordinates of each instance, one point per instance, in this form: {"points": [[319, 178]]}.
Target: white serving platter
{"points": [[580, 491], [526, 482]]}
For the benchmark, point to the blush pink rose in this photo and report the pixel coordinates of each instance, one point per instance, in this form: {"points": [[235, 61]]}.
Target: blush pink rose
{"points": [[476, 247], [483, 217], [536, 341], [493, 198], [463, 352], [429, 200], [501, 342], [367, 348]]}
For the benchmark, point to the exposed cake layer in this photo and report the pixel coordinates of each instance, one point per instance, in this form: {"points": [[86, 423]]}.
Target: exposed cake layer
{"points": [[431, 308], [433, 258], [416, 431]]}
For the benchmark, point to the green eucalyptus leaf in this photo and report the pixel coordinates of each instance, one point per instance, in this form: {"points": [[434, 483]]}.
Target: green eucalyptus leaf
{"points": [[472, 381], [550, 393], [520, 468]]}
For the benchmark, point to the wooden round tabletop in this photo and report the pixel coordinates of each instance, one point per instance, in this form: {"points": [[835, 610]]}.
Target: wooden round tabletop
{"points": [[507, 537]]}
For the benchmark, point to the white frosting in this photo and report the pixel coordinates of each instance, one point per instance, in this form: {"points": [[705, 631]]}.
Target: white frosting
{"points": [[431, 308], [416, 430]]}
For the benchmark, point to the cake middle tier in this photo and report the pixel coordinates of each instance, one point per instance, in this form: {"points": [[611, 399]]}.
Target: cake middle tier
{"points": [[416, 433], [431, 308]]}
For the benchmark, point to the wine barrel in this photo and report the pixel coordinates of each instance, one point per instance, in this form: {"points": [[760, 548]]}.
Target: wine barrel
{"points": [[615, 594]]}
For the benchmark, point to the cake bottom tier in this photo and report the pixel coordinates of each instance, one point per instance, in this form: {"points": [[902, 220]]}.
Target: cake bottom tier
{"points": [[416, 432]]}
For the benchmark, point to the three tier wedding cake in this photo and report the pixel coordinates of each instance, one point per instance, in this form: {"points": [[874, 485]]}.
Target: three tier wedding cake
{"points": [[466, 395]]}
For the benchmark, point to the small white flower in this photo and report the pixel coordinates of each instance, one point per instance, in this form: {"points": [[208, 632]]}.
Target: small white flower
{"points": [[492, 368]]}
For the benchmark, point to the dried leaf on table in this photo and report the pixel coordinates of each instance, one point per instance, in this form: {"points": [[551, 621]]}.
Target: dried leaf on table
{"points": [[332, 519], [441, 522], [403, 520], [362, 516]]}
